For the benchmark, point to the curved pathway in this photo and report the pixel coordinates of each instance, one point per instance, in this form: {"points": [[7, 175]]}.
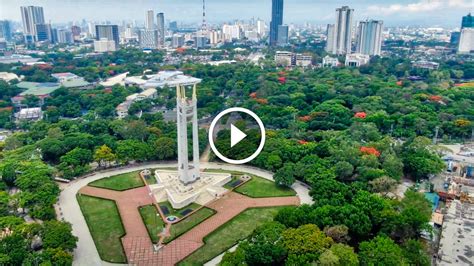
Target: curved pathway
{"points": [[86, 252]]}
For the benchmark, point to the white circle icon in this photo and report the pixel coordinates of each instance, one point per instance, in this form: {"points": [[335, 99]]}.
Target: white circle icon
{"points": [[237, 135]]}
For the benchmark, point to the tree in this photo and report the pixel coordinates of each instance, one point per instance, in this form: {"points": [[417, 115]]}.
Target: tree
{"points": [[104, 155], [383, 185], [415, 252], [13, 249], [339, 233], [415, 213], [380, 251], [328, 259], [165, 148], [130, 149], [420, 159], [343, 170], [306, 242], [285, 175], [345, 254], [56, 234], [235, 258], [393, 166], [264, 246]]}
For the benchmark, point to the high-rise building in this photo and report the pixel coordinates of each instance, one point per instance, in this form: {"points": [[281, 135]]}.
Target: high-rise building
{"points": [[148, 39], [65, 36], [160, 25], [43, 32], [369, 37], [177, 40], [31, 15], [107, 31], [104, 45], [54, 35], [260, 28], [150, 20], [277, 20], [282, 35], [341, 38], [330, 38], [76, 32], [91, 29], [467, 21], [466, 42], [231, 32], [5, 31], [173, 26]]}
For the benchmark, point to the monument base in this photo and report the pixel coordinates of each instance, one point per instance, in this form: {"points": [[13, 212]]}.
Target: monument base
{"points": [[169, 188]]}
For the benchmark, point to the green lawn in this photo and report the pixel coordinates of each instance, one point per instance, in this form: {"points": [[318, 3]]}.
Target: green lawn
{"points": [[154, 224], [120, 182], [226, 236], [188, 223], [105, 226], [257, 187]]}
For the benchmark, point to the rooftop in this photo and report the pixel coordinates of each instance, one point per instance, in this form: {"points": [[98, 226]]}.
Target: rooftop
{"points": [[162, 79], [35, 88]]}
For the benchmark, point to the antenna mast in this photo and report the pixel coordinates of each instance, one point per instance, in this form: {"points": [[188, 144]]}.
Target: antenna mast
{"points": [[204, 25]]}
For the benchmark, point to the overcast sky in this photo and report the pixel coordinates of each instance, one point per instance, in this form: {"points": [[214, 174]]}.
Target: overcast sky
{"points": [[393, 12]]}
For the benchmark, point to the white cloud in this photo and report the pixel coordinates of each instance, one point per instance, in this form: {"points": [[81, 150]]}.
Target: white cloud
{"points": [[422, 6]]}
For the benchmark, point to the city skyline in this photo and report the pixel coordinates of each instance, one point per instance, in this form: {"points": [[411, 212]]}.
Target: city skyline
{"points": [[423, 12]]}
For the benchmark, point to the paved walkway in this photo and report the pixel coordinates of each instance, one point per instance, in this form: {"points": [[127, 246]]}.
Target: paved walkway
{"points": [[86, 252]]}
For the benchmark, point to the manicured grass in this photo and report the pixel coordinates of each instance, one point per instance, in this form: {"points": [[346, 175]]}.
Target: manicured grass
{"points": [[153, 222], [257, 187], [120, 182], [151, 179], [105, 226], [188, 223], [177, 212], [229, 234]]}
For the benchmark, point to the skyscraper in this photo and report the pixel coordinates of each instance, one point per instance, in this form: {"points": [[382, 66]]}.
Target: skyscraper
{"points": [[277, 20], [369, 37], [330, 38], [467, 21], [260, 28], [282, 35], [107, 31], [160, 24], [150, 20], [342, 33], [148, 39], [466, 42], [31, 15], [5, 30], [43, 32]]}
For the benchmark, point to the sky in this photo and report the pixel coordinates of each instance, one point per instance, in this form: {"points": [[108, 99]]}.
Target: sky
{"points": [[445, 13]]}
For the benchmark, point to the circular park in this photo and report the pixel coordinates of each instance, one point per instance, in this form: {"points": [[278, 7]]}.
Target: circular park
{"points": [[122, 220]]}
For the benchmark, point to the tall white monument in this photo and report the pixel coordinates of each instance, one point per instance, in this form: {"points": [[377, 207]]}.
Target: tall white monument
{"points": [[186, 185], [186, 109]]}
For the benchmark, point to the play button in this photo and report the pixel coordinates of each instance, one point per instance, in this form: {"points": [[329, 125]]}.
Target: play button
{"points": [[236, 135]]}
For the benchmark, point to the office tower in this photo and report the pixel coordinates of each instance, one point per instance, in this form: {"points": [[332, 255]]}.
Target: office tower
{"points": [[5, 31], [466, 42], [231, 32], [150, 20], [455, 37], [214, 37], [369, 37], [260, 28], [43, 32], [160, 25], [342, 33], [177, 40], [104, 45], [54, 35], [173, 26], [65, 36], [31, 15], [76, 31], [282, 39], [148, 39], [467, 21], [330, 38], [277, 20], [91, 29], [107, 31]]}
